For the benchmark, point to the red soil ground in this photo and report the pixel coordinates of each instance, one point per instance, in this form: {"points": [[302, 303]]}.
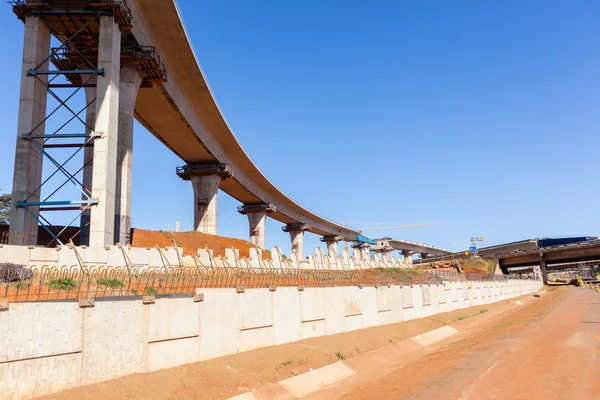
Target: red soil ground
{"points": [[191, 242]]}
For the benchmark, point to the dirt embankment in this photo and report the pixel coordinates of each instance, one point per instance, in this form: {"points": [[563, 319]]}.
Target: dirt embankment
{"points": [[192, 241], [479, 265], [469, 266]]}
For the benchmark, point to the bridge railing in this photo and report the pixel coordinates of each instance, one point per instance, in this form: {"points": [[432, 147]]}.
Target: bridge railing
{"points": [[56, 283]]}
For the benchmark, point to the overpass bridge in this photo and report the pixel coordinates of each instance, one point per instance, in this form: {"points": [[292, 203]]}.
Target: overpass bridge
{"points": [[132, 59], [386, 245]]}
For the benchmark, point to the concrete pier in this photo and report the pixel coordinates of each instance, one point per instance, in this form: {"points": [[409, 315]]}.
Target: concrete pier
{"points": [[544, 271], [32, 111], [407, 254], [88, 155], [205, 179], [332, 243], [296, 232], [129, 84], [257, 220], [107, 124], [362, 250]]}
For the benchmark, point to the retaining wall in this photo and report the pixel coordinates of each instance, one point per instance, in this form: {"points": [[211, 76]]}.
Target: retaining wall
{"points": [[121, 256], [46, 347]]}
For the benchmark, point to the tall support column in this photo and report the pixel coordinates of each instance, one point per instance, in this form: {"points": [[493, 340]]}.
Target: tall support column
{"points": [[205, 179], [296, 232], [88, 157], [129, 84], [332, 244], [257, 219], [107, 124], [32, 111], [407, 254]]}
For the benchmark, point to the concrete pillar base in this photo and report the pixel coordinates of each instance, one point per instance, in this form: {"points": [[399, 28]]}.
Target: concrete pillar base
{"points": [[296, 231], [362, 250], [205, 179], [257, 219], [407, 254], [332, 244]]}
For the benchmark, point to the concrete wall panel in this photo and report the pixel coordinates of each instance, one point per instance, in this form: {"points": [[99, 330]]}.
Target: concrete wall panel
{"points": [[114, 340], [313, 328], [407, 298], [352, 301], [312, 304], [256, 308], [286, 315], [171, 353], [426, 295], [255, 338], [31, 330], [354, 322], [369, 306], [335, 310], [219, 323], [39, 376], [173, 318]]}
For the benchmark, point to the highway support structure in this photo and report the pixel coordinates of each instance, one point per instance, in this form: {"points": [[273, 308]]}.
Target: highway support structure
{"points": [[94, 41], [362, 249], [383, 252], [332, 244], [257, 220], [205, 179], [407, 254], [296, 231]]}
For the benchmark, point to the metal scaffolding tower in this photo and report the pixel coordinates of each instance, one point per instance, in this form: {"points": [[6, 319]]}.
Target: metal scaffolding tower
{"points": [[74, 28]]}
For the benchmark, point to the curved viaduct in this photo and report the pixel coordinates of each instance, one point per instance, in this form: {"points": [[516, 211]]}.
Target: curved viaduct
{"points": [[180, 111], [183, 114]]}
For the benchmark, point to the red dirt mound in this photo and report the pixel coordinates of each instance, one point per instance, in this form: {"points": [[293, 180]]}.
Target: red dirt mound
{"points": [[192, 241]]}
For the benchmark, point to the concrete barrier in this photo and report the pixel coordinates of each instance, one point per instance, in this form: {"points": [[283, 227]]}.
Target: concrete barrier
{"points": [[49, 346]]}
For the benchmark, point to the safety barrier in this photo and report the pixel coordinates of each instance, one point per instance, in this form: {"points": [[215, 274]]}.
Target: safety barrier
{"points": [[56, 283]]}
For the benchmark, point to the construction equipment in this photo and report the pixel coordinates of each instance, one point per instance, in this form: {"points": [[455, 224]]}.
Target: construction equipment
{"points": [[361, 239]]}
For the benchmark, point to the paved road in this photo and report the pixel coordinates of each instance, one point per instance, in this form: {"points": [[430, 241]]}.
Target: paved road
{"points": [[547, 349]]}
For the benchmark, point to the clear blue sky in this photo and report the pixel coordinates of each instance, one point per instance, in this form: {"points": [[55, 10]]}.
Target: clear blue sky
{"points": [[484, 115]]}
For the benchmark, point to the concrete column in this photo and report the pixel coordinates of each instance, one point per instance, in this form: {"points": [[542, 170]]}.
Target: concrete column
{"points": [[362, 250], [296, 232], [32, 111], [88, 156], [205, 179], [206, 189], [107, 124], [332, 244], [537, 273], [544, 272], [257, 219], [407, 254], [129, 84]]}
